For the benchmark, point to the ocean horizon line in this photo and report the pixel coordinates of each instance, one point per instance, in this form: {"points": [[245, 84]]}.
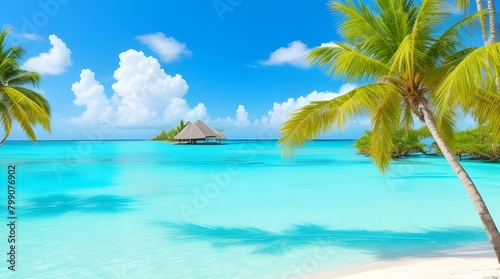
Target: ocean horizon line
{"points": [[46, 140]]}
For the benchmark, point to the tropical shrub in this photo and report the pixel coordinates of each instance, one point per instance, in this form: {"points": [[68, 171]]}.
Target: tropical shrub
{"points": [[169, 135], [405, 142], [475, 143]]}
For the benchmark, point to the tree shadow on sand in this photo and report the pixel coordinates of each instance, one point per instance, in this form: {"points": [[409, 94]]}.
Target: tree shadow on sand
{"points": [[59, 204], [383, 244]]}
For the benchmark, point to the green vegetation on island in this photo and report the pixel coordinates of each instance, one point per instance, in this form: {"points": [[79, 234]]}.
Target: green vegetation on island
{"points": [[170, 134], [476, 144], [405, 142], [17, 102]]}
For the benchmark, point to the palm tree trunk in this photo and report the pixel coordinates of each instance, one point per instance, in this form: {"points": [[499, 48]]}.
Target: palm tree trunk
{"points": [[477, 200], [482, 20], [493, 23], [493, 32]]}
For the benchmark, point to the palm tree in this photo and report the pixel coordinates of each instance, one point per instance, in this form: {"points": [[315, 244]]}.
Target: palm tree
{"points": [[18, 103], [172, 133], [181, 126], [410, 72]]}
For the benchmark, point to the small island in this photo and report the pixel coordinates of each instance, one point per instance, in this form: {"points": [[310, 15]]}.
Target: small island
{"points": [[199, 133], [192, 133]]}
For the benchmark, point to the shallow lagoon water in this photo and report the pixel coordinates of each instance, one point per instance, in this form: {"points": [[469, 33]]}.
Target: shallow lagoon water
{"points": [[141, 209]]}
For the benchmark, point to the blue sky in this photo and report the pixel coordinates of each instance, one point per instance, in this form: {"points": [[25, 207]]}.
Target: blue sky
{"points": [[127, 69]]}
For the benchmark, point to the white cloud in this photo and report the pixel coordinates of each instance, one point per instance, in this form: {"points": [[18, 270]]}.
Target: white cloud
{"points": [[179, 109], [28, 36], [143, 95], [54, 62], [250, 66], [168, 48], [198, 112], [329, 45], [90, 93], [240, 119], [346, 87], [144, 89], [281, 111], [241, 116], [294, 54], [15, 36]]}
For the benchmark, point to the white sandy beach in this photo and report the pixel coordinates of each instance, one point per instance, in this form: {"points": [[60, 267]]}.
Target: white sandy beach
{"points": [[464, 265], [442, 268]]}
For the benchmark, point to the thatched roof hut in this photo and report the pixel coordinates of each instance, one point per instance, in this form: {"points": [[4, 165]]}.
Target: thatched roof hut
{"points": [[190, 132], [199, 132]]}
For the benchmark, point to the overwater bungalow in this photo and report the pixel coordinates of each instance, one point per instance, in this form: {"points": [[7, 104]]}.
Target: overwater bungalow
{"points": [[199, 133]]}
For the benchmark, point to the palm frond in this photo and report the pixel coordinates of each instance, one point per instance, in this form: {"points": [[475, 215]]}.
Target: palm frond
{"points": [[430, 15], [485, 108], [42, 118], [6, 121], [27, 109], [446, 123], [447, 44], [358, 23], [3, 35], [469, 76], [11, 99], [437, 74], [406, 116], [385, 119], [397, 19], [19, 77], [402, 63], [341, 60], [462, 5], [16, 52], [319, 117]]}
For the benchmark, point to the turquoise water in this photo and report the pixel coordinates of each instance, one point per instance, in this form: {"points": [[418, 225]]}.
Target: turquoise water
{"points": [[140, 209]]}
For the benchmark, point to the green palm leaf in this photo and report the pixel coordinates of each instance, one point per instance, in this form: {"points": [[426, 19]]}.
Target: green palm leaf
{"points": [[385, 119], [6, 121], [469, 78], [320, 116], [338, 60]]}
